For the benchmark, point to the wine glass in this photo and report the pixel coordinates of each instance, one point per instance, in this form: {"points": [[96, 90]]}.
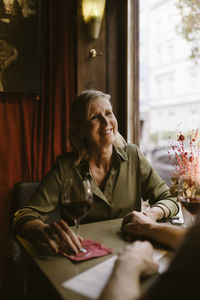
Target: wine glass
{"points": [[77, 198], [191, 204], [187, 196]]}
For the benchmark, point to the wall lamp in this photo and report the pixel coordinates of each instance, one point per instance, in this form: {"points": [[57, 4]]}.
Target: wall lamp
{"points": [[93, 12]]}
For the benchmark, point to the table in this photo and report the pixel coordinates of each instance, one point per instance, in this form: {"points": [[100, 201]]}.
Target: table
{"points": [[58, 269]]}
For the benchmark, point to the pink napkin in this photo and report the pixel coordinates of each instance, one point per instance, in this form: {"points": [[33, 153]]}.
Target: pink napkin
{"points": [[94, 249]]}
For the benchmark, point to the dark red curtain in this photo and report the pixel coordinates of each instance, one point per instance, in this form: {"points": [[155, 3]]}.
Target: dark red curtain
{"points": [[58, 86], [34, 132]]}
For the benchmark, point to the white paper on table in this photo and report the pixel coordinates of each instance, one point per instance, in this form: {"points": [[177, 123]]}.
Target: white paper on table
{"points": [[91, 282]]}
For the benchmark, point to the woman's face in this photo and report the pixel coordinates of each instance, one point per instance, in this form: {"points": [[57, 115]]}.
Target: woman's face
{"points": [[102, 125]]}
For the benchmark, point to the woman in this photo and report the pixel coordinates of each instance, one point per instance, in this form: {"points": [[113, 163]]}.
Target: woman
{"points": [[120, 176]]}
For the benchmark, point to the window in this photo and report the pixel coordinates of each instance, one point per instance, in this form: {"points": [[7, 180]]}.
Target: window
{"points": [[170, 78]]}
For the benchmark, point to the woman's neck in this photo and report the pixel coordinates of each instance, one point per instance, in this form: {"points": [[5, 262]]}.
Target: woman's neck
{"points": [[102, 158], [100, 164]]}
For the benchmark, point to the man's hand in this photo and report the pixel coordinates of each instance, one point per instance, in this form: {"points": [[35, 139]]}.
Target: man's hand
{"points": [[134, 261], [138, 255], [136, 224], [141, 224]]}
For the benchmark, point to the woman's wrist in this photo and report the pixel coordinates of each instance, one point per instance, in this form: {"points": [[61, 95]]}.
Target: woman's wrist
{"points": [[33, 229], [158, 212]]}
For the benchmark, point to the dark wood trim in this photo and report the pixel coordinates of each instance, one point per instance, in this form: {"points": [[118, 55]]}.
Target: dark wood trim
{"points": [[122, 64], [116, 29], [133, 123], [91, 72]]}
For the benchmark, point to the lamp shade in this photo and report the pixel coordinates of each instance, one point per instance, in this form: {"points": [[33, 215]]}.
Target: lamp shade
{"points": [[93, 12]]}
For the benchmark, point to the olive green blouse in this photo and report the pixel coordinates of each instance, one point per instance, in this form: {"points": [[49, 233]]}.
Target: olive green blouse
{"points": [[131, 179]]}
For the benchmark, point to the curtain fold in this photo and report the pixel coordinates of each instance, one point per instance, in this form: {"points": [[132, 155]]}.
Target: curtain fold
{"points": [[58, 88]]}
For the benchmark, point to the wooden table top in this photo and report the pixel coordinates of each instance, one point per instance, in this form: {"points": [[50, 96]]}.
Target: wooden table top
{"points": [[58, 269]]}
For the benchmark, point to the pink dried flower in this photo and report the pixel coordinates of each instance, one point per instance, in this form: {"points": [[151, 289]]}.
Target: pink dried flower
{"points": [[187, 161], [181, 138]]}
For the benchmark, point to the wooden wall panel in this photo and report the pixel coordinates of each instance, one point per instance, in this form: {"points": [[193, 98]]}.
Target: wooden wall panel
{"points": [[116, 47], [91, 72]]}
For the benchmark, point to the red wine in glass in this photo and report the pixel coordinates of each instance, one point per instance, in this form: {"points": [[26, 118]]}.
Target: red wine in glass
{"points": [[191, 204], [76, 210]]}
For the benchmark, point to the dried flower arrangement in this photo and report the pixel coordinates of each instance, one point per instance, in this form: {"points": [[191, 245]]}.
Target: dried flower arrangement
{"points": [[186, 162]]}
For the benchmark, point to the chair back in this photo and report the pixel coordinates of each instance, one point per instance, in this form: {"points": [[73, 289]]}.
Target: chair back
{"points": [[22, 192]]}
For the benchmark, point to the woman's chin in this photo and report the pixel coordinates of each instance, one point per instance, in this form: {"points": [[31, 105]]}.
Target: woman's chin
{"points": [[107, 142], [104, 141]]}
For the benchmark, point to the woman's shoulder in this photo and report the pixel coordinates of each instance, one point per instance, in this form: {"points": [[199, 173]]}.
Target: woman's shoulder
{"points": [[66, 158], [131, 149], [134, 152]]}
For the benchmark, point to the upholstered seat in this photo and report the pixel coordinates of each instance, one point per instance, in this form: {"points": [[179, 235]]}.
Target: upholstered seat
{"points": [[15, 281], [20, 276]]}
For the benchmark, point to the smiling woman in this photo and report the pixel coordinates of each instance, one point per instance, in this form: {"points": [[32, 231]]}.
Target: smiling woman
{"points": [[119, 173], [102, 123], [100, 134], [91, 109]]}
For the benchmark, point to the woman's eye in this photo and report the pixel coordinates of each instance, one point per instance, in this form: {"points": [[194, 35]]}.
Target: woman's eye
{"points": [[94, 117], [109, 113]]}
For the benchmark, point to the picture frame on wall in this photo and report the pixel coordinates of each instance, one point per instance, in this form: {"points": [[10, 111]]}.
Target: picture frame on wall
{"points": [[20, 47]]}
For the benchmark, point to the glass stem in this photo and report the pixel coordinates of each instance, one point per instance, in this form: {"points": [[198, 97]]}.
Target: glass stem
{"points": [[77, 224]]}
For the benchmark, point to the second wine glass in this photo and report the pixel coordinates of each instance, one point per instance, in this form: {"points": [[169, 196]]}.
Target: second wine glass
{"points": [[188, 196]]}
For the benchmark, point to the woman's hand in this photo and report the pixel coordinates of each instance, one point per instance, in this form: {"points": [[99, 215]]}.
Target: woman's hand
{"points": [[62, 239], [136, 224], [58, 236]]}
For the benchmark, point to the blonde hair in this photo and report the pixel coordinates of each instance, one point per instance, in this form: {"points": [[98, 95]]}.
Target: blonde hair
{"points": [[78, 115]]}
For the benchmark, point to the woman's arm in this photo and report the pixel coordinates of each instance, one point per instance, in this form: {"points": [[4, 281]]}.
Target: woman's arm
{"points": [[158, 212], [31, 220], [154, 189]]}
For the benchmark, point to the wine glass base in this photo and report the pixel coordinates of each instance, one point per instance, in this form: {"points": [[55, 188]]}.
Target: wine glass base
{"points": [[83, 250]]}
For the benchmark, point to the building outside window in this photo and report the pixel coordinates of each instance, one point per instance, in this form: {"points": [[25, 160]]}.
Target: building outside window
{"points": [[169, 78]]}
